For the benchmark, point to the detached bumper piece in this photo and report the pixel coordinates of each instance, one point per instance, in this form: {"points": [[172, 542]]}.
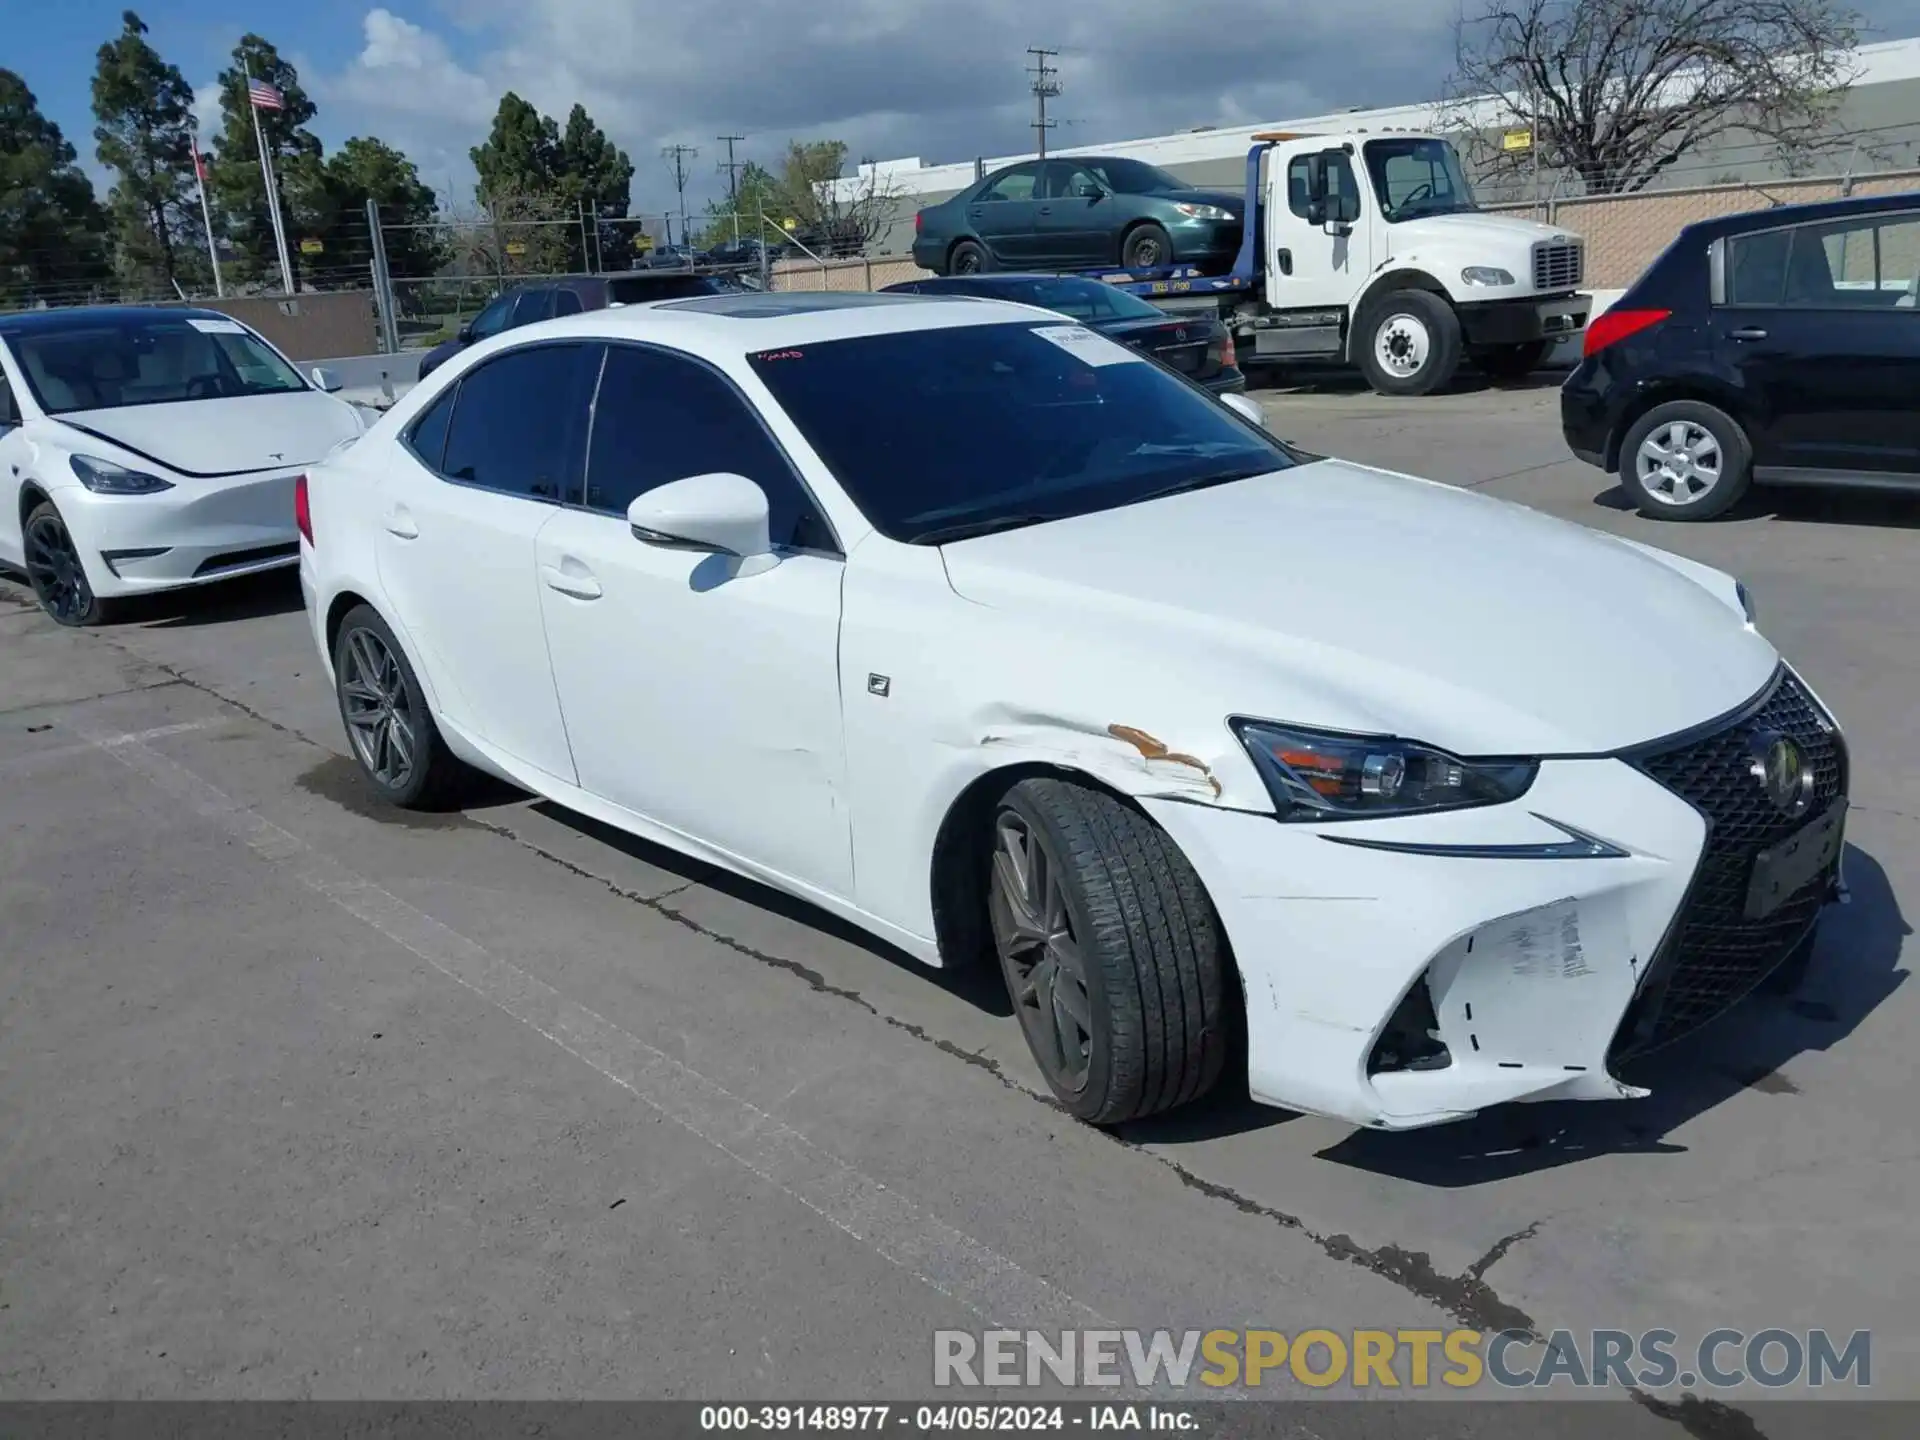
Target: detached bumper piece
{"points": [[1766, 870]]}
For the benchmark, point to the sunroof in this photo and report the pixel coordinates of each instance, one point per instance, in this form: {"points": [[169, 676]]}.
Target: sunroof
{"points": [[786, 302]]}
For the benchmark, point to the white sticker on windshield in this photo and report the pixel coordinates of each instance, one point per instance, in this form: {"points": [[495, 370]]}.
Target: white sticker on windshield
{"points": [[1086, 345], [217, 327]]}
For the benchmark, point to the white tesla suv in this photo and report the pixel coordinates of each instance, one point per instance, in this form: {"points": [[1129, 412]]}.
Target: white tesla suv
{"points": [[146, 449], [991, 636]]}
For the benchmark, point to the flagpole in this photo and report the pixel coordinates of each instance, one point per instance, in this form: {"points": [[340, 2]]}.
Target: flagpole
{"points": [[273, 196], [206, 214]]}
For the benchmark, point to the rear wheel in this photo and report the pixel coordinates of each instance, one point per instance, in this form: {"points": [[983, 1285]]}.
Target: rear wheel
{"points": [[1112, 954], [969, 257], [389, 728], [1408, 343], [1685, 461], [54, 570], [1512, 362], [1147, 248]]}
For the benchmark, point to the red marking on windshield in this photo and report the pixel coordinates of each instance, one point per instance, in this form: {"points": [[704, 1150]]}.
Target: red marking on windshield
{"points": [[781, 355]]}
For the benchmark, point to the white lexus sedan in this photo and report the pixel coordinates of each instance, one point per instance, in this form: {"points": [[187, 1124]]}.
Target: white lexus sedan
{"points": [[985, 633], [146, 449]]}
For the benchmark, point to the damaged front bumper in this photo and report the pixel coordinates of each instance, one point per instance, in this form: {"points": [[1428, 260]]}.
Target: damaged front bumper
{"points": [[1398, 989]]}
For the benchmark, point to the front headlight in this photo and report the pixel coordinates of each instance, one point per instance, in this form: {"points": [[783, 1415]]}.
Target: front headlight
{"points": [[1205, 212], [1315, 775], [1486, 275], [103, 477]]}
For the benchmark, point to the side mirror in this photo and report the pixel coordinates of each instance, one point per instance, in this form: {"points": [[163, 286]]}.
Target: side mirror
{"points": [[721, 513], [327, 380], [1247, 410], [465, 335]]}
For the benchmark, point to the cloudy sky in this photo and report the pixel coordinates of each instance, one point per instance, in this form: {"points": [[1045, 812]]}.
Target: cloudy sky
{"points": [[891, 77]]}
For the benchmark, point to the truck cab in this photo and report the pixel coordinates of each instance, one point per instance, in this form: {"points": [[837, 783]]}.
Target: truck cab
{"points": [[1371, 249]]}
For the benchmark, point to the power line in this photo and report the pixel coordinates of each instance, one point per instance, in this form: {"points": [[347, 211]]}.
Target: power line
{"points": [[679, 155], [1045, 86], [731, 169]]}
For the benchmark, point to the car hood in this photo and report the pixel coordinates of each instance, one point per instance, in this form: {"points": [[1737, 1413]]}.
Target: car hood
{"points": [[1338, 596], [208, 438], [1472, 228]]}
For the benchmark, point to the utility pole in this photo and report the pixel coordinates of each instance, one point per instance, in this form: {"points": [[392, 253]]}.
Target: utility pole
{"points": [[732, 169], [679, 155], [1046, 85]]}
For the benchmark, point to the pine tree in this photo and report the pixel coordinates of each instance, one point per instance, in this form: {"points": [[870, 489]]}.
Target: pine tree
{"points": [[144, 110], [239, 190], [53, 237]]}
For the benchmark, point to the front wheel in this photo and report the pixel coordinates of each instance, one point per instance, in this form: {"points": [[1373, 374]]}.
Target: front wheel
{"points": [[390, 730], [1112, 954], [1685, 461], [54, 570], [1409, 343]]}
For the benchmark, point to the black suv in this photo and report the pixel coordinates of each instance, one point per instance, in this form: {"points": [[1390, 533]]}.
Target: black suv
{"points": [[1780, 346], [569, 295]]}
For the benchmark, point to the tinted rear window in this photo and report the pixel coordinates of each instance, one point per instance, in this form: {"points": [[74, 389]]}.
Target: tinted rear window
{"points": [[932, 429], [637, 289]]}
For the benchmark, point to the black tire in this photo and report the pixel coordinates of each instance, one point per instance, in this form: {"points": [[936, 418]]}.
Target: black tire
{"points": [[56, 572], [1149, 948], [1791, 973], [434, 779], [1512, 362], [1147, 247], [969, 257], [1416, 325], [1735, 463]]}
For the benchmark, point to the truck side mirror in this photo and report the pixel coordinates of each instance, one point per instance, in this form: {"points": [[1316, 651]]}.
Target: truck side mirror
{"points": [[1316, 189]]}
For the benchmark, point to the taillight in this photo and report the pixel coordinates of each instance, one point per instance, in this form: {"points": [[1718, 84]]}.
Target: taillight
{"points": [[1229, 357], [917, 218], [302, 515], [1616, 325]]}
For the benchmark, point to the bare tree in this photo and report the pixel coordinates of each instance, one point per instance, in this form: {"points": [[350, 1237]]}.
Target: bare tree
{"points": [[1616, 92], [833, 215]]}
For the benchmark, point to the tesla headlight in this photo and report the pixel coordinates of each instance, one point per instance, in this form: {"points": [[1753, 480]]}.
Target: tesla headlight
{"points": [[1205, 212], [1317, 775], [1486, 275], [103, 477]]}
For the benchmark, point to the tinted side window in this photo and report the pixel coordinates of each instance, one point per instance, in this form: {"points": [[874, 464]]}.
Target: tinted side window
{"points": [[428, 437], [520, 417], [1016, 184], [661, 418], [566, 302], [1757, 267], [493, 319], [9, 407], [535, 304], [1343, 191]]}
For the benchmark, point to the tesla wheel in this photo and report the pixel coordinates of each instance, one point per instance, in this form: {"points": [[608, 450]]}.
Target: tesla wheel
{"points": [[1408, 343], [1148, 248], [54, 570], [389, 728], [1512, 362], [1112, 954], [1685, 461], [969, 257]]}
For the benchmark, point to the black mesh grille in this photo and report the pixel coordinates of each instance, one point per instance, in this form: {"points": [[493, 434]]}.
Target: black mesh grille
{"points": [[1713, 955]]}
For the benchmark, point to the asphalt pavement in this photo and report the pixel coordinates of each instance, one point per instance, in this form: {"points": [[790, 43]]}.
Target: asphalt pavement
{"points": [[299, 1097]]}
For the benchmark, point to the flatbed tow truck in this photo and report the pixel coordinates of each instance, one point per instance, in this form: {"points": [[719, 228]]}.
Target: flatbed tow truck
{"points": [[1368, 249]]}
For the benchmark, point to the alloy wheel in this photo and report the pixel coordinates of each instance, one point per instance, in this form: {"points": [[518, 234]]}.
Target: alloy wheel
{"points": [[1679, 463], [53, 565], [1146, 254], [1402, 345], [1046, 972], [378, 704]]}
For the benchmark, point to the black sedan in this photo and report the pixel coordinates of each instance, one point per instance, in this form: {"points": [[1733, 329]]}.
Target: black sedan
{"points": [[1775, 347], [1080, 212], [1198, 347]]}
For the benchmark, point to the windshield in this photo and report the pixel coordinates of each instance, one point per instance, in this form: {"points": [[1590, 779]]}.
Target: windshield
{"points": [[1133, 177], [148, 358], [1089, 300], [982, 427], [1418, 176]]}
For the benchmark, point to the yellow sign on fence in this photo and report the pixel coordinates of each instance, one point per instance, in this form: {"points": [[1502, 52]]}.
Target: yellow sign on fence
{"points": [[514, 247], [1517, 140], [311, 247]]}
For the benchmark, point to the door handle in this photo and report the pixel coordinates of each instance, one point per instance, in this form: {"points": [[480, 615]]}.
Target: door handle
{"points": [[581, 587], [401, 524], [1046, 209], [1750, 332]]}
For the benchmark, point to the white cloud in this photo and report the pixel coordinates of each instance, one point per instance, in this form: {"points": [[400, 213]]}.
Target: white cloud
{"points": [[206, 112]]}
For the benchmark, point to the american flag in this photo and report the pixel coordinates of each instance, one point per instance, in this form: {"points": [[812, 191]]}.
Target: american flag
{"points": [[200, 166], [264, 96]]}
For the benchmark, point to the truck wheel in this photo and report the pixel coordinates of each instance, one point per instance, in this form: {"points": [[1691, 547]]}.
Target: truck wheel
{"points": [[968, 258], [1148, 248], [1512, 362], [1408, 343], [1685, 461], [1114, 960]]}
